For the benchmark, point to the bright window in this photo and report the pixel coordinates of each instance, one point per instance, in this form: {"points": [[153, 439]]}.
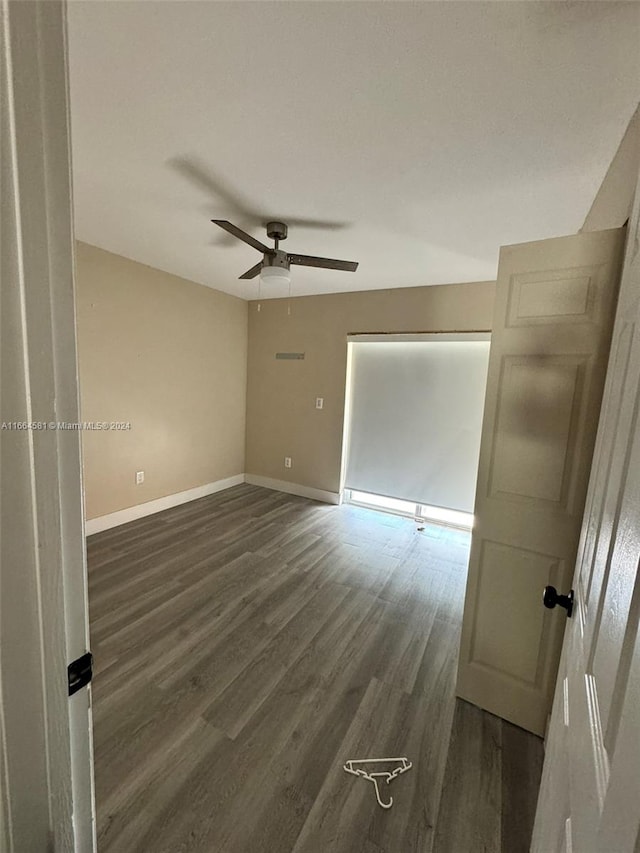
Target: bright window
{"points": [[411, 510], [415, 418]]}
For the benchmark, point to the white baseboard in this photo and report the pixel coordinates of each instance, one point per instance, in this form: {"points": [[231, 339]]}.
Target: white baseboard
{"points": [[293, 489], [122, 516]]}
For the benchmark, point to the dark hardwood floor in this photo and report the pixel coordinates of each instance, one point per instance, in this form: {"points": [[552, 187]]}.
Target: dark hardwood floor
{"points": [[249, 643]]}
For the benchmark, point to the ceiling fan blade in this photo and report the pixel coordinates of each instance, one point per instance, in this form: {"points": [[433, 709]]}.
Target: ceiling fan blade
{"points": [[253, 272], [325, 263], [320, 224], [204, 178], [242, 235], [196, 171]]}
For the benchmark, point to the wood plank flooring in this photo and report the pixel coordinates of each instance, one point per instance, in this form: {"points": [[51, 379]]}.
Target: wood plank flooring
{"points": [[247, 644]]}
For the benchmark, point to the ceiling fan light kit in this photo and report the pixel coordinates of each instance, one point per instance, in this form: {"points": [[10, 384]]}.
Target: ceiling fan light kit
{"points": [[273, 274], [275, 264]]}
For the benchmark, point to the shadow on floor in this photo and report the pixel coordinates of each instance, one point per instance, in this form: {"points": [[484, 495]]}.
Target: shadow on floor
{"points": [[490, 785]]}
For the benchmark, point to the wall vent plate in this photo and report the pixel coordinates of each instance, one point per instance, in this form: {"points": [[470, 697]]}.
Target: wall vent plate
{"points": [[290, 356]]}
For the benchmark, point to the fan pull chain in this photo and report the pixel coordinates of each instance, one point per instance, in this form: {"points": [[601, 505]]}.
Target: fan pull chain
{"points": [[259, 293], [289, 302]]}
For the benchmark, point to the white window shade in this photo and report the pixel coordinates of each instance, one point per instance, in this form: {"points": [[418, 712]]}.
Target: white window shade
{"points": [[415, 419]]}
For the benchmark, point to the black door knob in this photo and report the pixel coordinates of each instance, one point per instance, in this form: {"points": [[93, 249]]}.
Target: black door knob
{"points": [[551, 597]]}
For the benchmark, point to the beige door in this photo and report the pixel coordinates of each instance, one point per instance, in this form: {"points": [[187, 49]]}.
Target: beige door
{"points": [[553, 318], [590, 793], [46, 782]]}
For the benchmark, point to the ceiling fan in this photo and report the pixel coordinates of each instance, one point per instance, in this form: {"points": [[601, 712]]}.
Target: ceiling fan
{"points": [[275, 263], [249, 215]]}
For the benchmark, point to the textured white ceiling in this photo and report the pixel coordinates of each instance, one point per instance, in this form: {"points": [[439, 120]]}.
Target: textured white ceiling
{"points": [[432, 132]]}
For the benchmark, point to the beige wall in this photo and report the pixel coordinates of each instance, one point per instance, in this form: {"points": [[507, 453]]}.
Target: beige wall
{"points": [[612, 205], [169, 356], [281, 416]]}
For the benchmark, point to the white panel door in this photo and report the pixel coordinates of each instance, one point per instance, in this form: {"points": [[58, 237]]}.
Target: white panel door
{"points": [[590, 793], [46, 781], [550, 340]]}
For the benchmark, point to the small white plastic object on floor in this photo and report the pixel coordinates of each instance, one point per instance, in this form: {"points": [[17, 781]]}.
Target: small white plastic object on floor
{"points": [[355, 766]]}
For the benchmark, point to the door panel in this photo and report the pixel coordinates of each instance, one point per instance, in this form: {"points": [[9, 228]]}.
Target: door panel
{"points": [[554, 311], [504, 574], [539, 397], [591, 776]]}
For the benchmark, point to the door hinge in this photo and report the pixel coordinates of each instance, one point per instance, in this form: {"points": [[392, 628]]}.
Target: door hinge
{"points": [[80, 672]]}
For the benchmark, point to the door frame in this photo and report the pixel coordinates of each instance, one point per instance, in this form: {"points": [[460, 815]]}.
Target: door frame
{"points": [[46, 757]]}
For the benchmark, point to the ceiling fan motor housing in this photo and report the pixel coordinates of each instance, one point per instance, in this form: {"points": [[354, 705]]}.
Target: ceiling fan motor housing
{"points": [[277, 230], [276, 259]]}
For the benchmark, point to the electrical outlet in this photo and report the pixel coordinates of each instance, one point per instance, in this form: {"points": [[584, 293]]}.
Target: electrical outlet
{"points": [[287, 462], [139, 477], [319, 402]]}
